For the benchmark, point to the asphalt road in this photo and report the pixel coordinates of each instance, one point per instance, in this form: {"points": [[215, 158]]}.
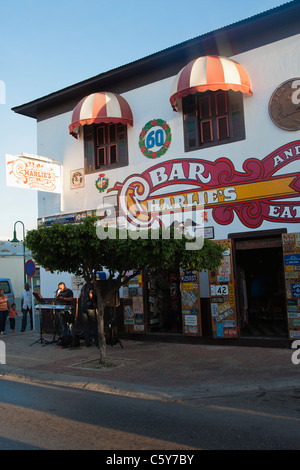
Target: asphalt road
{"points": [[59, 418]]}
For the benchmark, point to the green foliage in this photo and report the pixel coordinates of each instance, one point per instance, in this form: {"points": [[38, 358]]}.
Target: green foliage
{"points": [[77, 249], [209, 257]]}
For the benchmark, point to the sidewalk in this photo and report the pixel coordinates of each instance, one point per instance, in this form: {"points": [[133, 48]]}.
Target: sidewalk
{"points": [[156, 370]]}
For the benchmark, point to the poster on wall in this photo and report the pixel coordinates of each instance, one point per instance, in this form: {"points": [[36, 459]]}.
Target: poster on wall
{"points": [[77, 178], [190, 303], [222, 296], [291, 261], [133, 301]]}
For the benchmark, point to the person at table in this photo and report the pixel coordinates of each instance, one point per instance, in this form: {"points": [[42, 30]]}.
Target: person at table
{"points": [[65, 294]]}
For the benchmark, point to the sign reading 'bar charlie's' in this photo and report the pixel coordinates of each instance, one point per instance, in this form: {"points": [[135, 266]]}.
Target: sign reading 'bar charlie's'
{"points": [[264, 190], [33, 172]]}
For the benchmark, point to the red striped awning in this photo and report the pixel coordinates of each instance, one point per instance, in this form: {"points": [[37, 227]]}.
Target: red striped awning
{"points": [[100, 107], [209, 73]]}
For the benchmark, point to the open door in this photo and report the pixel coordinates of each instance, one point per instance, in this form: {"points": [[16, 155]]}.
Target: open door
{"points": [[260, 284]]}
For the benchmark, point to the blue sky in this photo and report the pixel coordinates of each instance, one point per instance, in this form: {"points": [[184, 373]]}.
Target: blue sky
{"points": [[46, 46]]}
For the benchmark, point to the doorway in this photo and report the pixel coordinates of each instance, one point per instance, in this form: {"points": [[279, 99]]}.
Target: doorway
{"points": [[163, 301], [260, 287]]}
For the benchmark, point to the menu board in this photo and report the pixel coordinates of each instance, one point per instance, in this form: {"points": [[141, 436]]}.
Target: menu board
{"points": [[133, 301], [222, 296], [190, 303], [291, 261]]}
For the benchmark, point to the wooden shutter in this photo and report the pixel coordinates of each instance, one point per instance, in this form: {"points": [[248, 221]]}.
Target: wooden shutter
{"points": [[89, 148]]}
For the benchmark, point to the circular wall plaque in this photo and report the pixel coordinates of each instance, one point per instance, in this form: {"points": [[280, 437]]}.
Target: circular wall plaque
{"points": [[284, 105]]}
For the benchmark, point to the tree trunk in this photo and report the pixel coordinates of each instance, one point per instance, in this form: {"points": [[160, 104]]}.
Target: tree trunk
{"points": [[101, 335], [104, 291], [100, 321]]}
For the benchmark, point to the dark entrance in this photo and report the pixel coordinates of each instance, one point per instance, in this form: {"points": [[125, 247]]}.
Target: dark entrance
{"points": [[163, 301], [260, 286]]}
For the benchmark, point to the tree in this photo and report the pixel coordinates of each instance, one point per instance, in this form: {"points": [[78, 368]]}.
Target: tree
{"points": [[77, 249]]}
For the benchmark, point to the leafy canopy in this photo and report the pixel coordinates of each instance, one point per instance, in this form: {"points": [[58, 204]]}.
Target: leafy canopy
{"points": [[77, 249]]}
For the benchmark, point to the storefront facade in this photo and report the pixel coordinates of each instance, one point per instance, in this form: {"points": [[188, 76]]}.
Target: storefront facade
{"points": [[209, 132]]}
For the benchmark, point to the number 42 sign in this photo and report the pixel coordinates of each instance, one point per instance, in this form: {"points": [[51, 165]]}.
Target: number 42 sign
{"points": [[221, 289]]}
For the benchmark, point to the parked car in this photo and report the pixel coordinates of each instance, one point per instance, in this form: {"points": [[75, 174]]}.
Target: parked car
{"points": [[6, 285]]}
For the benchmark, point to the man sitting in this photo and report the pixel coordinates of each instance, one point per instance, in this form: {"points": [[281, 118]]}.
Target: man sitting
{"points": [[66, 319]]}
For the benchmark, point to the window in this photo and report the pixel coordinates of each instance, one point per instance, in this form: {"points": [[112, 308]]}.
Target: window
{"points": [[212, 118], [4, 285], [105, 146]]}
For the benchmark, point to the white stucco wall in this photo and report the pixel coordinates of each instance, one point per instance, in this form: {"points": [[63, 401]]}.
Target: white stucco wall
{"points": [[267, 66], [49, 282], [12, 267]]}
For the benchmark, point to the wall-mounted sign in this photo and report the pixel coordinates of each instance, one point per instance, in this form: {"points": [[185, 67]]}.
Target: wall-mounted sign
{"points": [[284, 105], [155, 138], [291, 261], [102, 183], [77, 178], [133, 301], [262, 191], [222, 296], [190, 303], [36, 173], [68, 218]]}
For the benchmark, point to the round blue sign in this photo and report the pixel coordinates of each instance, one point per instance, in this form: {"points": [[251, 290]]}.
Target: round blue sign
{"points": [[30, 268]]}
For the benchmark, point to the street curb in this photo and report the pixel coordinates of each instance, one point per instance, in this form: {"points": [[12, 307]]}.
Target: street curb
{"points": [[148, 392]]}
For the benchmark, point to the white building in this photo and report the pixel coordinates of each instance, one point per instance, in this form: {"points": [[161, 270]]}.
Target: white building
{"points": [[12, 267], [211, 124]]}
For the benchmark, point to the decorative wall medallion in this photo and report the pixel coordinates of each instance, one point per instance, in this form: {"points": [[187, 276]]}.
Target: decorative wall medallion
{"points": [[284, 105], [155, 138], [102, 183], [77, 178]]}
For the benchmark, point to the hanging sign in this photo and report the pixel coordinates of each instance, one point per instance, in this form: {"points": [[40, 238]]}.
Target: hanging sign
{"points": [[36, 173]]}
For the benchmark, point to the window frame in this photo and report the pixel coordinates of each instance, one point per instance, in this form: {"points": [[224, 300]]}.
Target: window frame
{"points": [[216, 133], [110, 138]]}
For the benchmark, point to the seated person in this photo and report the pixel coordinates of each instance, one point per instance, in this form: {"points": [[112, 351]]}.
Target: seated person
{"points": [[63, 293], [66, 319]]}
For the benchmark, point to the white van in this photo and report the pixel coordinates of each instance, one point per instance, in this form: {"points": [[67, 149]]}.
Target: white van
{"points": [[6, 285]]}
